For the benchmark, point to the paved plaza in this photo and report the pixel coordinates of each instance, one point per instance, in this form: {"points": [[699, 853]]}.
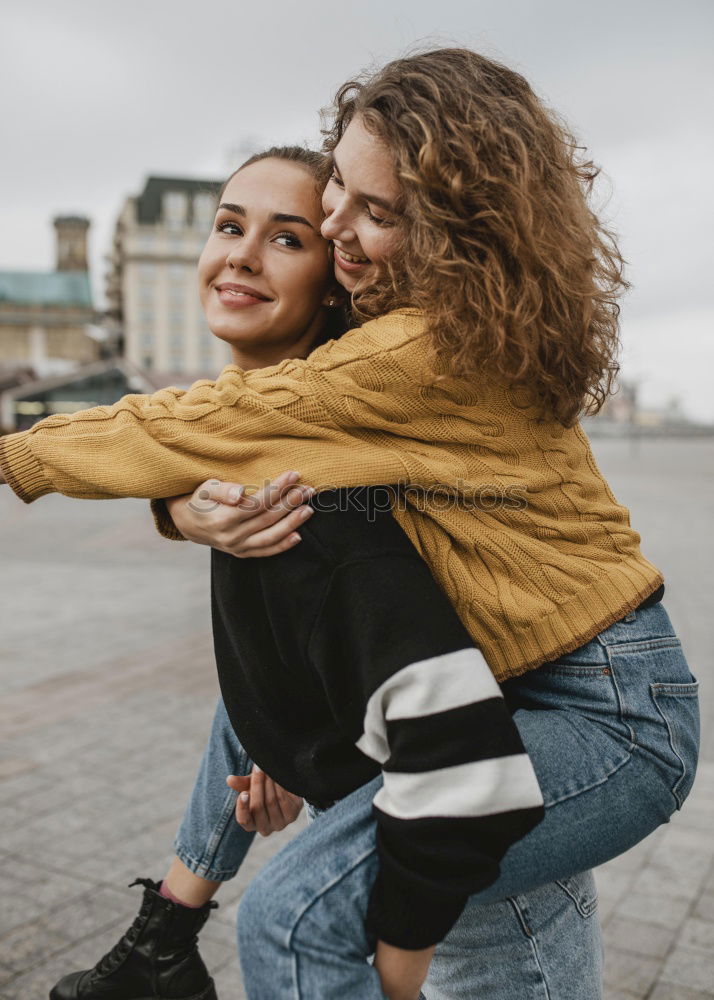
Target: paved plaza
{"points": [[107, 688]]}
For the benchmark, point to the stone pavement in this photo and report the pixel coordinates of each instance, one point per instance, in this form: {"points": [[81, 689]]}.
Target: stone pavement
{"points": [[108, 688]]}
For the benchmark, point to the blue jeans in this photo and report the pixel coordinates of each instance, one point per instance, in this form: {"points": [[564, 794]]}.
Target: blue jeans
{"points": [[209, 841], [536, 944], [612, 730]]}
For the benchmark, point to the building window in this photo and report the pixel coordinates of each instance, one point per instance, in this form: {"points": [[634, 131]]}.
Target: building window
{"points": [[145, 242], [175, 208], [204, 208]]}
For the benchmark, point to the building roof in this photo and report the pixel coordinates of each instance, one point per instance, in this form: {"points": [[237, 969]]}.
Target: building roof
{"points": [[14, 374], [139, 379], [136, 378], [46, 288], [72, 220], [149, 202]]}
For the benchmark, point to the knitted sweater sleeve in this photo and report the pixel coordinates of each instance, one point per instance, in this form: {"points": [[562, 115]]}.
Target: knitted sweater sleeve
{"points": [[408, 686], [325, 415]]}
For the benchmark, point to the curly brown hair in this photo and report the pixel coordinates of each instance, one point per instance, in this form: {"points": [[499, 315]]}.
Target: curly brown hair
{"points": [[516, 274]]}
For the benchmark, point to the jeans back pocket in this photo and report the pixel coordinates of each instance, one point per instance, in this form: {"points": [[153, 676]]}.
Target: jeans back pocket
{"points": [[678, 705]]}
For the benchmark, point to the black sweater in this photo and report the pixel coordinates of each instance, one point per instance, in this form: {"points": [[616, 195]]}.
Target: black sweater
{"points": [[341, 658]]}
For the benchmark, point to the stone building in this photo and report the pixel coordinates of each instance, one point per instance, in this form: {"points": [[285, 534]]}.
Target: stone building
{"points": [[151, 285], [46, 317]]}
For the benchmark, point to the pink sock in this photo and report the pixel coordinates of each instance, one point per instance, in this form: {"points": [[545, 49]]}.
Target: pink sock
{"points": [[167, 894]]}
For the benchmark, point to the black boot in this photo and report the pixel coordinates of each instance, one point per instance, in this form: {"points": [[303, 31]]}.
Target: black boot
{"points": [[157, 958]]}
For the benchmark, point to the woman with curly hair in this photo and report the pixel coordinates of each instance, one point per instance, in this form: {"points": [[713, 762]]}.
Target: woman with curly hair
{"points": [[458, 208]]}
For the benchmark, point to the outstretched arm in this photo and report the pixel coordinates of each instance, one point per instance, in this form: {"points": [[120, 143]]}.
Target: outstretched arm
{"points": [[330, 415]]}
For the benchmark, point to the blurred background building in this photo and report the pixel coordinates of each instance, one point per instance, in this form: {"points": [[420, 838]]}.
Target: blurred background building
{"points": [[153, 305], [59, 354], [48, 322], [623, 415], [46, 317]]}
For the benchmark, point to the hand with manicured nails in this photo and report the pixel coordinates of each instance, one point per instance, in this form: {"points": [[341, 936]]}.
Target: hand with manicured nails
{"points": [[262, 805], [221, 515]]}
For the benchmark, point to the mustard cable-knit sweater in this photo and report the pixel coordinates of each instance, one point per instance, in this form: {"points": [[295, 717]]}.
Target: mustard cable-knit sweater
{"points": [[542, 563]]}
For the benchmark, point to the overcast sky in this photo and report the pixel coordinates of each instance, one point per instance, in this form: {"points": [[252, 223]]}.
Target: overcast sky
{"points": [[97, 94]]}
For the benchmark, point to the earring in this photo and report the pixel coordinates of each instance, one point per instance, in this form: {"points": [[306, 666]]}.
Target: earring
{"points": [[332, 301]]}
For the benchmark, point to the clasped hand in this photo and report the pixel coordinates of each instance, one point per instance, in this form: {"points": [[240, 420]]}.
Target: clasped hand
{"points": [[248, 526]]}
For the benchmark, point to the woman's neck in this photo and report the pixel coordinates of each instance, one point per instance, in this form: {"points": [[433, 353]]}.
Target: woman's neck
{"points": [[248, 360], [263, 355]]}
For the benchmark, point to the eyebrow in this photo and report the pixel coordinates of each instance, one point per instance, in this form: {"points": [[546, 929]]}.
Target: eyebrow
{"points": [[276, 217], [373, 198]]}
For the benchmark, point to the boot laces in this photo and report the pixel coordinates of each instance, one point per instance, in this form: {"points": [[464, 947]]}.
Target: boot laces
{"points": [[109, 962]]}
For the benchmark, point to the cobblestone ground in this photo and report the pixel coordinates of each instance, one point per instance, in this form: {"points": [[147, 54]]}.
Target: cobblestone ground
{"points": [[108, 687]]}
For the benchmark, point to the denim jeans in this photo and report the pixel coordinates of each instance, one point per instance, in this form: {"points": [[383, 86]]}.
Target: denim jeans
{"points": [[612, 730], [209, 841], [532, 945]]}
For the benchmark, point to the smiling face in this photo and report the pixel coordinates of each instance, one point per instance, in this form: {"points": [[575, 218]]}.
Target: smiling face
{"points": [[264, 274], [360, 203]]}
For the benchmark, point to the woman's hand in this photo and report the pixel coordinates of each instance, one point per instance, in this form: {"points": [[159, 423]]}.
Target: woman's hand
{"points": [[219, 514], [262, 804], [402, 972]]}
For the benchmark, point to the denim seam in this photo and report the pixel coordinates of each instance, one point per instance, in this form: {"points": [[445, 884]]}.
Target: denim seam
{"points": [[585, 670], [534, 948], [595, 784], [201, 869], [522, 914], [642, 645], [633, 742], [315, 899], [675, 790], [513, 900], [585, 907], [202, 866], [622, 704]]}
